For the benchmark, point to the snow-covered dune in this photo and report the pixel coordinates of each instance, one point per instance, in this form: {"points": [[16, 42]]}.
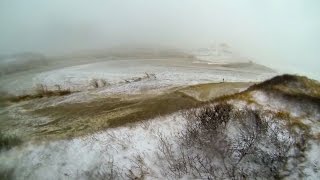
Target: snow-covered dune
{"points": [[264, 133]]}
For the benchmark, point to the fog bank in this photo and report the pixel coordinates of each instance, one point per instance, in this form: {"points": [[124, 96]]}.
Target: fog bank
{"points": [[280, 34]]}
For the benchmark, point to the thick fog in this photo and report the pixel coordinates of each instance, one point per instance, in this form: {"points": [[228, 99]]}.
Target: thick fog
{"points": [[282, 34]]}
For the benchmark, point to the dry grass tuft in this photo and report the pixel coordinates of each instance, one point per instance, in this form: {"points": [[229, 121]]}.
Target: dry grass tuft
{"points": [[98, 83], [282, 115]]}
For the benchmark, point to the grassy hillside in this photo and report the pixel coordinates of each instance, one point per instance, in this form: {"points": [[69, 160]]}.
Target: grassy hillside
{"points": [[71, 120]]}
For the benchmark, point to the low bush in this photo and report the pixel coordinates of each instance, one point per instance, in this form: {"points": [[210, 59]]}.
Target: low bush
{"points": [[98, 83]]}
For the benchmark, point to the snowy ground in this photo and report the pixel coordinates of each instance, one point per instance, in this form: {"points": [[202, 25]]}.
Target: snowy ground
{"points": [[168, 72]]}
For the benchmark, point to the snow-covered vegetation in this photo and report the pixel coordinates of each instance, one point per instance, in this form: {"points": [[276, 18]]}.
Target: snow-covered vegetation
{"points": [[257, 133], [176, 117]]}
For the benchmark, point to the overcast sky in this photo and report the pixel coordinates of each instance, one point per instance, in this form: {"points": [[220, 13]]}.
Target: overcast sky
{"points": [[283, 34]]}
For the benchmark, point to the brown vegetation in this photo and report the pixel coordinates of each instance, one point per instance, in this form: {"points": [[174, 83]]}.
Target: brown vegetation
{"points": [[78, 119], [41, 91], [282, 115]]}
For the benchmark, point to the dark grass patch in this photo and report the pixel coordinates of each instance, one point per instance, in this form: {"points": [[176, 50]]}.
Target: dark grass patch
{"points": [[48, 93], [277, 80], [7, 174], [71, 120], [40, 91], [162, 105], [291, 85], [292, 88], [207, 92], [283, 115], [8, 141], [245, 96]]}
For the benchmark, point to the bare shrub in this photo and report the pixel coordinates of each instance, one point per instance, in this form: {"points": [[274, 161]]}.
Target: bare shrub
{"points": [[223, 142], [98, 83], [137, 79], [94, 83], [41, 89], [177, 167], [150, 75], [58, 87], [103, 82], [139, 169], [107, 171], [145, 124]]}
